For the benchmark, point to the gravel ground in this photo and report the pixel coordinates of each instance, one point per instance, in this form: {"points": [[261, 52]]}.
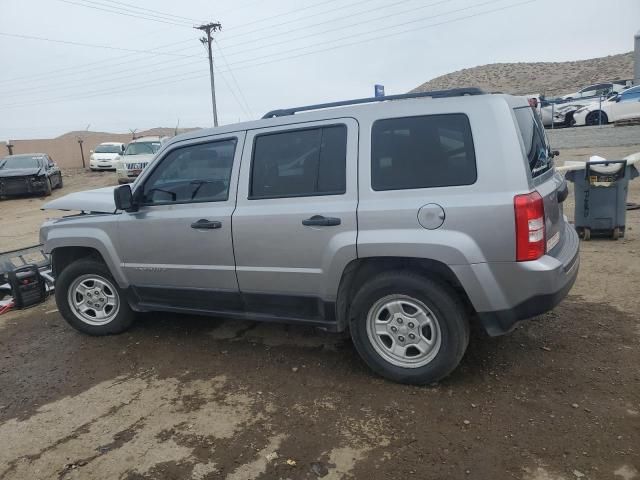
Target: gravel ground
{"points": [[185, 397], [594, 137]]}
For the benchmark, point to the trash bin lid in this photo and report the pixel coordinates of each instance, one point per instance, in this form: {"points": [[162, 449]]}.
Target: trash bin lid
{"points": [[611, 168]]}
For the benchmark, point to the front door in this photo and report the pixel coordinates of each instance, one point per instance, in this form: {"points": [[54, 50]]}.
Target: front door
{"points": [[177, 248], [294, 227]]}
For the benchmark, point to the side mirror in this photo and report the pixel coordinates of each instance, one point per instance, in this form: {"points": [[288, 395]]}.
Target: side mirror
{"points": [[123, 198], [617, 99]]}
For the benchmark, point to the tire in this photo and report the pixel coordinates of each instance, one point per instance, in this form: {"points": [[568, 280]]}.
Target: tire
{"points": [[615, 233], [48, 188], [404, 296], [85, 275], [593, 118], [60, 183], [586, 234]]}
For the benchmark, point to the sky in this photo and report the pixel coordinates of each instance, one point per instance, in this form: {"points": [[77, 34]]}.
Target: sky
{"points": [[115, 65]]}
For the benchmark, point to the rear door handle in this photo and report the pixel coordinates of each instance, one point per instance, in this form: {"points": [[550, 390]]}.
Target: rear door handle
{"points": [[320, 221], [204, 224]]}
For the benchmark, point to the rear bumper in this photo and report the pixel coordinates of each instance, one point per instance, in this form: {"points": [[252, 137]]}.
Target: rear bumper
{"points": [[503, 294]]}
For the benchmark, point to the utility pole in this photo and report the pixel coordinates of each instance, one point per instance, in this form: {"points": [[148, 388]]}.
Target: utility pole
{"points": [[10, 147], [80, 142], [208, 29]]}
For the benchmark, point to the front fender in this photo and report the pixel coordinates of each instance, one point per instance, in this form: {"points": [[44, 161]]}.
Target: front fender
{"points": [[87, 237]]}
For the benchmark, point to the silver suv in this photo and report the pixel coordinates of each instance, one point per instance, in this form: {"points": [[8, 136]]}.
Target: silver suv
{"points": [[402, 220]]}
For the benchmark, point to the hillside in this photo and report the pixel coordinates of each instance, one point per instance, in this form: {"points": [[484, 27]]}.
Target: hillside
{"points": [[158, 131], [548, 78]]}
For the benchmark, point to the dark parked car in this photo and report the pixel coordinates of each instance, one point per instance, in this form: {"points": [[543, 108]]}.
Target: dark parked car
{"points": [[30, 173]]}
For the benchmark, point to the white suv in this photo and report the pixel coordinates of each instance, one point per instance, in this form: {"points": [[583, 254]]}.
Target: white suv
{"points": [[136, 157]]}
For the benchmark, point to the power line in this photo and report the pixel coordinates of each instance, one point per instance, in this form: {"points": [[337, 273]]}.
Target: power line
{"points": [[158, 12], [333, 20], [233, 93], [197, 74], [150, 17], [233, 76], [92, 45]]}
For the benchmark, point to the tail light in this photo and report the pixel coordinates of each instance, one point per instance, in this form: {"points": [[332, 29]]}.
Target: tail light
{"points": [[530, 231]]}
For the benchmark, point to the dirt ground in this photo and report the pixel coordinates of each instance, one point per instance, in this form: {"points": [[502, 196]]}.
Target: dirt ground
{"points": [[186, 397]]}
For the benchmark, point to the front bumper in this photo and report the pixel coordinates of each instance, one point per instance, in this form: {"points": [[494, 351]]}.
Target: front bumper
{"points": [[504, 294], [10, 186], [101, 165]]}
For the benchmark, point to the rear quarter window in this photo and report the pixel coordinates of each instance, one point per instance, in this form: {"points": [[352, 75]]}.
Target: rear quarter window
{"points": [[535, 141], [422, 152]]}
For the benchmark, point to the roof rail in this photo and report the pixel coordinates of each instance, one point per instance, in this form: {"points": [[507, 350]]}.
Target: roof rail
{"points": [[453, 92]]}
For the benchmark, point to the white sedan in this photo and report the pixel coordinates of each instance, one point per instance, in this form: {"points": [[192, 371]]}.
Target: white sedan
{"points": [[623, 106], [104, 156]]}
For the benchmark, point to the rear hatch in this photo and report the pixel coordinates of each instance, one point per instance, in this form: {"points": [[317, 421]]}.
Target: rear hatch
{"points": [[550, 184]]}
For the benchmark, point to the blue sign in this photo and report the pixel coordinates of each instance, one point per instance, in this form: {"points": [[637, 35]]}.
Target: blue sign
{"points": [[379, 90]]}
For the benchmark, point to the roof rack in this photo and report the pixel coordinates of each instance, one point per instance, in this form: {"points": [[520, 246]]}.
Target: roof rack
{"points": [[453, 92]]}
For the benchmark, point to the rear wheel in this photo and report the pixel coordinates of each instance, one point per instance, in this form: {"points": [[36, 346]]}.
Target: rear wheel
{"points": [[409, 328], [595, 118], [90, 300], [586, 234]]}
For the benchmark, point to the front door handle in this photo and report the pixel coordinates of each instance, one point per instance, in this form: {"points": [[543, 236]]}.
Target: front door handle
{"points": [[320, 221], [204, 224]]}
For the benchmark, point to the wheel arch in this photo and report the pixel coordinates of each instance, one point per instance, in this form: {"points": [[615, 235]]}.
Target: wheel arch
{"points": [[361, 269]]}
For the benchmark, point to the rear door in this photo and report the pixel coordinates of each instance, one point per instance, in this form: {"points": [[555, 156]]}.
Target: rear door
{"points": [[628, 106], [294, 227], [550, 184]]}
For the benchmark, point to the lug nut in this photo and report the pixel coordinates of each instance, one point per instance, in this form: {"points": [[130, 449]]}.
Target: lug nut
{"points": [[412, 336], [411, 325], [401, 338], [394, 329], [400, 321]]}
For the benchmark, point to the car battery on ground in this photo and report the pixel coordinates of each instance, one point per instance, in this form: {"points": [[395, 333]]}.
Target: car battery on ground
{"points": [[27, 286], [601, 197]]}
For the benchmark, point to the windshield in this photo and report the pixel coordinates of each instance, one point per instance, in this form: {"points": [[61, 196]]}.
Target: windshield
{"points": [[142, 148], [108, 149], [535, 141], [19, 161]]}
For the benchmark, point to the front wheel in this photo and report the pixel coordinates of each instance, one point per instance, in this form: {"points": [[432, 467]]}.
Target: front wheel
{"points": [[596, 118], [408, 328], [90, 300]]}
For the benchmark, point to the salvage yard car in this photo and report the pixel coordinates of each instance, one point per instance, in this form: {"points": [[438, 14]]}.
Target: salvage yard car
{"points": [[401, 219], [136, 157], [623, 106], [105, 156], [27, 174]]}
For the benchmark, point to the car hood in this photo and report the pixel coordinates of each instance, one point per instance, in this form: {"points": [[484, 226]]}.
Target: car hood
{"points": [[19, 172], [99, 201]]}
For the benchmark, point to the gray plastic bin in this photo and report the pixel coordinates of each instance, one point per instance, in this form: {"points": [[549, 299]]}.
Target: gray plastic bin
{"points": [[601, 198]]}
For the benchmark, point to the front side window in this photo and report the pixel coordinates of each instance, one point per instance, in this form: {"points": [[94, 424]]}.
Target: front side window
{"points": [[422, 152], [197, 173], [299, 163], [630, 95]]}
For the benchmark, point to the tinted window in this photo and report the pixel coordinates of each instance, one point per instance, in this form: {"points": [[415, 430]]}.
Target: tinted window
{"points": [[631, 95], [198, 173], [535, 141], [300, 163], [422, 152], [142, 148], [106, 148], [20, 161]]}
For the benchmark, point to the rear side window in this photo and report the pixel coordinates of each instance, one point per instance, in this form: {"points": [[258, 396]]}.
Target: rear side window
{"points": [[299, 163], [535, 141], [422, 152]]}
